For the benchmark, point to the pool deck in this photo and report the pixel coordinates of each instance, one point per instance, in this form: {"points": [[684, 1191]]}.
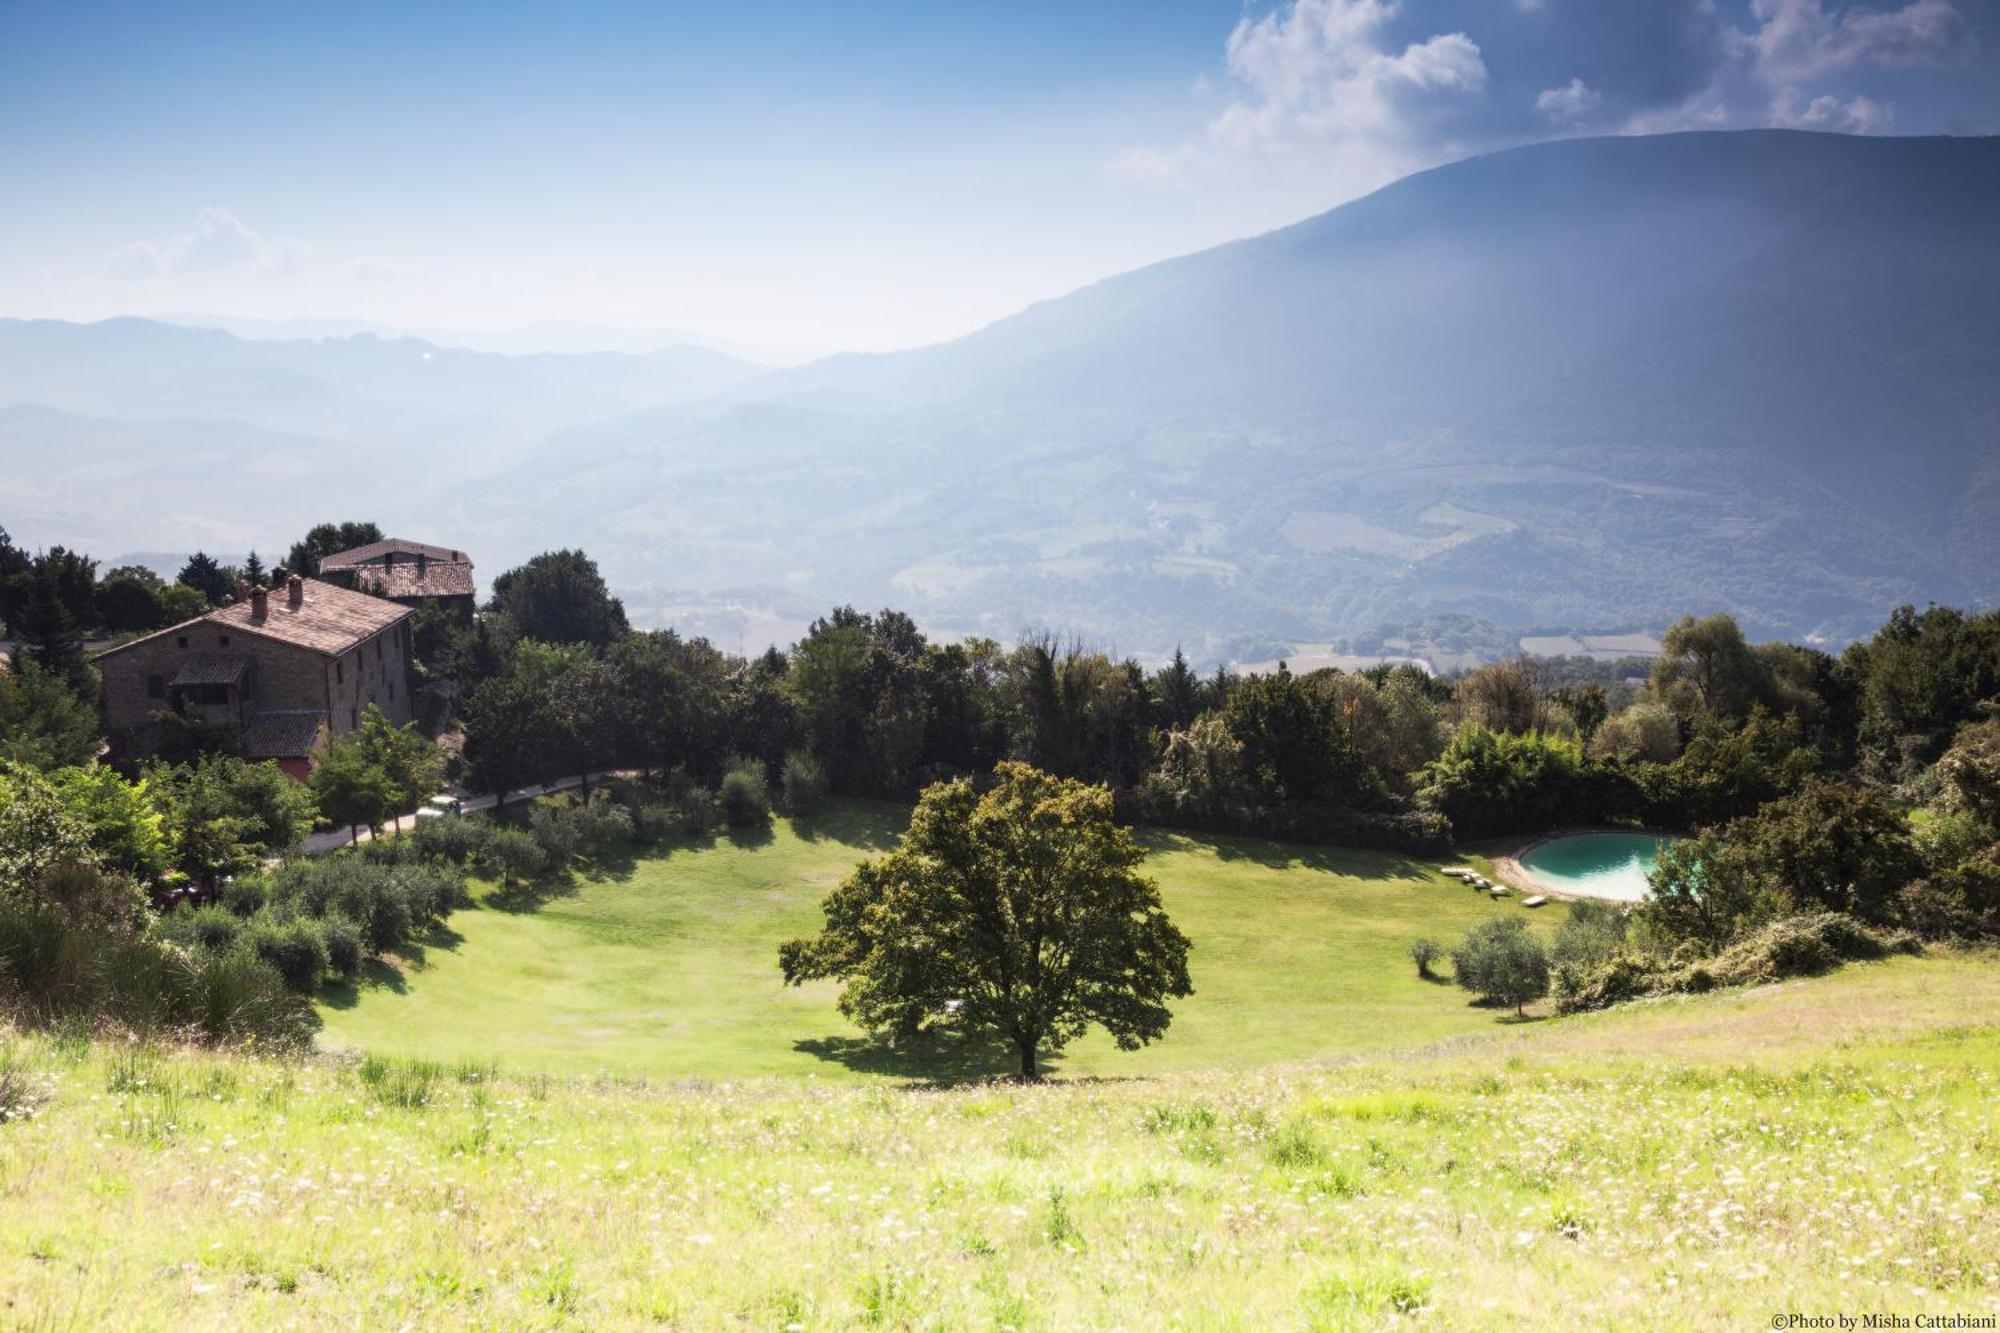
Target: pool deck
{"points": [[1509, 870]]}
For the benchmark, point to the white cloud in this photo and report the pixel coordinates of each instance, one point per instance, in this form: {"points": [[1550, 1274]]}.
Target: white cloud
{"points": [[1797, 44], [1803, 39], [1568, 104], [220, 243], [1857, 115], [1317, 80]]}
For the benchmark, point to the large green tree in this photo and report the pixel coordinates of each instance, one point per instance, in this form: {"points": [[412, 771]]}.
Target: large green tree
{"points": [[207, 576], [559, 597], [1020, 912], [44, 722], [325, 539]]}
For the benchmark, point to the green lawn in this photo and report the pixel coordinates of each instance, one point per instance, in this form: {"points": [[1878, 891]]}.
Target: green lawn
{"points": [[669, 966], [1697, 1162]]}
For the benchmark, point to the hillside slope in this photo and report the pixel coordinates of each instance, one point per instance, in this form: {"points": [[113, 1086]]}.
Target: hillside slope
{"points": [[1815, 1147]]}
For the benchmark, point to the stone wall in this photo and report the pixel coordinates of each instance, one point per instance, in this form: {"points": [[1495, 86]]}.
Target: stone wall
{"points": [[281, 676]]}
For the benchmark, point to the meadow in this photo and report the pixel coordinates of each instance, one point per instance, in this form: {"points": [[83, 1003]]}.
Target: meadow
{"points": [[667, 966], [1706, 1162]]}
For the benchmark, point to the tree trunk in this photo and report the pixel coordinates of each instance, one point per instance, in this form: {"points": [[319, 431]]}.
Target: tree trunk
{"points": [[1026, 1045]]}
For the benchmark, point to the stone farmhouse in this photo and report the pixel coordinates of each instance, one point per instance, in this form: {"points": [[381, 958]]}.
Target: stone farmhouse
{"points": [[284, 669], [413, 573]]}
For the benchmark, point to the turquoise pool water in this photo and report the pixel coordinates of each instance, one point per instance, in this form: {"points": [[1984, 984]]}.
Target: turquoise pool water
{"points": [[1596, 865]]}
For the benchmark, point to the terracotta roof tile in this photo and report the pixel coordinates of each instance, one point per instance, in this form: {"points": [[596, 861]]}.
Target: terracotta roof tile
{"points": [[438, 578], [362, 555], [212, 669], [282, 733], [330, 619]]}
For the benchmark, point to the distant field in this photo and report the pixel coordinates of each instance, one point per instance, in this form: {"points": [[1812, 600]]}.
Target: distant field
{"points": [[1708, 1162], [669, 966]]}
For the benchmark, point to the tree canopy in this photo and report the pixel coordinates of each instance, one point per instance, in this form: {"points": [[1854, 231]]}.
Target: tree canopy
{"points": [[1020, 913]]}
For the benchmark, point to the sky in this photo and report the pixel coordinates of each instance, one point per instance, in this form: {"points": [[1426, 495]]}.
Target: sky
{"points": [[795, 179]]}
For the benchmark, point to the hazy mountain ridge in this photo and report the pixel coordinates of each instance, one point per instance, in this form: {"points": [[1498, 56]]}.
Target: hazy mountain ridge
{"points": [[1591, 383]]}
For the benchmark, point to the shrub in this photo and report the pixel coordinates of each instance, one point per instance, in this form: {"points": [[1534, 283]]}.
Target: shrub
{"points": [[212, 927], [344, 947], [233, 997], [744, 797], [558, 830], [294, 949], [1804, 946], [802, 783], [1500, 961], [389, 903], [1424, 953], [244, 897], [458, 840], [513, 855], [655, 821], [1589, 934], [54, 971], [699, 813], [1621, 977], [603, 823]]}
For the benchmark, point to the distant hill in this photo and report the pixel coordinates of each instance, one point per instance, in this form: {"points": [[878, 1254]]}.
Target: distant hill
{"points": [[1590, 383], [1586, 384]]}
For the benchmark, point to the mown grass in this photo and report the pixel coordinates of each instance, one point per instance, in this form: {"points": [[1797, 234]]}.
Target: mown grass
{"points": [[1817, 1147], [669, 966]]}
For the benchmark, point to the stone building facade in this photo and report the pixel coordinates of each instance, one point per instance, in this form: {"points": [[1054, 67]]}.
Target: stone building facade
{"points": [[282, 669]]}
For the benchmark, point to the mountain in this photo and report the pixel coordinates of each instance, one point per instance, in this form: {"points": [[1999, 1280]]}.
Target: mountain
{"points": [[1586, 385], [358, 387], [554, 337]]}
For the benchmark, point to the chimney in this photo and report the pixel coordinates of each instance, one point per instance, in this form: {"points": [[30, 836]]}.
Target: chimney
{"points": [[422, 560], [242, 590], [260, 603], [295, 592]]}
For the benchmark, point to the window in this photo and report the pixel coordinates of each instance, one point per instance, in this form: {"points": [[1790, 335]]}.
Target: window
{"points": [[156, 687], [339, 673], [353, 718], [378, 649], [207, 696], [222, 640], [181, 641], [392, 691]]}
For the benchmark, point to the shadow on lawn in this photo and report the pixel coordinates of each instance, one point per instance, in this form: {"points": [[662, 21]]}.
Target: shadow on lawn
{"points": [[939, 1059], [872, 826], [375, 974], [1354, 862]]}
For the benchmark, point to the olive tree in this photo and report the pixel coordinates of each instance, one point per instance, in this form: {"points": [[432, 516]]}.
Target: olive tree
{"points": [[1499, 960]]}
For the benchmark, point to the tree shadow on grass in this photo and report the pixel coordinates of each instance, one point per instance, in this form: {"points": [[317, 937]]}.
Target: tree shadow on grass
{"points": [[1505, 1011], [529, 895], [1354, 862], [935, 1059], [873, 826], [375, 975], [751, 835]]}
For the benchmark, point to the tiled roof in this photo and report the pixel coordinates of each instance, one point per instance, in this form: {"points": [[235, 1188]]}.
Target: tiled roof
{"points": [[388, 546], [439, 578], [212, 669], [282, 733], [329, 620]]}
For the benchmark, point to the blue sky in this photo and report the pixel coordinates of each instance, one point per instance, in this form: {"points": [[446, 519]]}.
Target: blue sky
{"points": [[799, 178]]}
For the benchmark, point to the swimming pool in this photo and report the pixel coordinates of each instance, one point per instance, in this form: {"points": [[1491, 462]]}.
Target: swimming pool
{"points": [[1595, 865]]}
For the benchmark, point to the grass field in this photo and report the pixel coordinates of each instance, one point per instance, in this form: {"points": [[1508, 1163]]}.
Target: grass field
{"points": [[669, 966], [1819, 1147]]}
